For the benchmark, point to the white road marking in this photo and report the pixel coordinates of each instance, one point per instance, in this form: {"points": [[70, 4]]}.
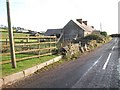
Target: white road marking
{"points": [[88, 70], [92, 65], [115, 44], [115, 39], [113, 47], [105, 65]]}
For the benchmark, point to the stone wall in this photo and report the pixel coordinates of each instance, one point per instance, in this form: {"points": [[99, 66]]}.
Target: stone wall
{"points": [[73, 50]]}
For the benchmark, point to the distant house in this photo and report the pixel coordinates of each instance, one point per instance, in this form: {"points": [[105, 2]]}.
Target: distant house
{"points": [[72, 30], [41, 32], [33, 33], [21, 30], [53, 32], [96, 32], [3, 27]]}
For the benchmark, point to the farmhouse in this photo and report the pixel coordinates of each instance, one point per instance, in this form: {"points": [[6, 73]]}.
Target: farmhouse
{"points": [[72, 30], [33, 33], [21, 30]]}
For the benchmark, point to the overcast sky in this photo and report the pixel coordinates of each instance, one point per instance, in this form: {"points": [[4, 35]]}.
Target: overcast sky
{"points": [[40, 15]]}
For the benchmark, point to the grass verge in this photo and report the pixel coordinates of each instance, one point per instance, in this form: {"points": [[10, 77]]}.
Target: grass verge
{"points": [[22, 65], [8, 57]]}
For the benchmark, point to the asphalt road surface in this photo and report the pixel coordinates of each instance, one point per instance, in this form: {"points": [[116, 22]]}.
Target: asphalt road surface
{"points": [[97, 69]]}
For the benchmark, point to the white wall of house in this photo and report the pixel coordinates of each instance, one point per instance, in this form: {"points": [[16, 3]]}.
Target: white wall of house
{"points": [[87, 33]]}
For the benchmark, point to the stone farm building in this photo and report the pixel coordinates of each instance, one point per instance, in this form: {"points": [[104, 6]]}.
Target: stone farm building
{"points": [[72, 30]]}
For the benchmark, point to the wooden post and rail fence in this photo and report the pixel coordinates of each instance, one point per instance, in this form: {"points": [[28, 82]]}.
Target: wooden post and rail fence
{"points": [[32, 44], [13, 45]]}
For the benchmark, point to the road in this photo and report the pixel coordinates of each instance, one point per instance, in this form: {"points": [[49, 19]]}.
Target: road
{"points": [[97, 69]]}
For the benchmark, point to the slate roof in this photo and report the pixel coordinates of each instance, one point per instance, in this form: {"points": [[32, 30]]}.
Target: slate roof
{"points": [[84, 27], [50, 32], [73, 23]]}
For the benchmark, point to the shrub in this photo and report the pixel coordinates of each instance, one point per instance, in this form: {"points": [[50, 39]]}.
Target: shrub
{"points": [[103, 33], [94, 37]]}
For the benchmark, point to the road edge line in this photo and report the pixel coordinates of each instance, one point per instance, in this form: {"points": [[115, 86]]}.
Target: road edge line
{"points": [[106, 63]]}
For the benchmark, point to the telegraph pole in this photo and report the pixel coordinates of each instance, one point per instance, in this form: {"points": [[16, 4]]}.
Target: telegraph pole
{"points": [[10, 30], [101, 26]]}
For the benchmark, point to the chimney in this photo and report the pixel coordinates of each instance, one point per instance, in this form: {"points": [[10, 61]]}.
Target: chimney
{"points": [[79, 20], [92, 26], [85, 22]]}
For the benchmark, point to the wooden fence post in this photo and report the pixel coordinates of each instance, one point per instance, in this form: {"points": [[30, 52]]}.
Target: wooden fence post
{"points": [[50, 45], [27, 40], [12, 50], [55, 41], [6, 41], [38, 45]]}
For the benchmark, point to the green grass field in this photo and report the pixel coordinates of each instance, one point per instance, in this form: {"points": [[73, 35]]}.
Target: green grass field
{"points": [[4, 33], [7, 57], [22, 65]]}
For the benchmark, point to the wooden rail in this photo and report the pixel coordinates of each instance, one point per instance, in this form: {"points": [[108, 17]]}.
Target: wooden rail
{"points": [[25, 44], [50, 41], [31, 37], [28, 51], [20, 59]]}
